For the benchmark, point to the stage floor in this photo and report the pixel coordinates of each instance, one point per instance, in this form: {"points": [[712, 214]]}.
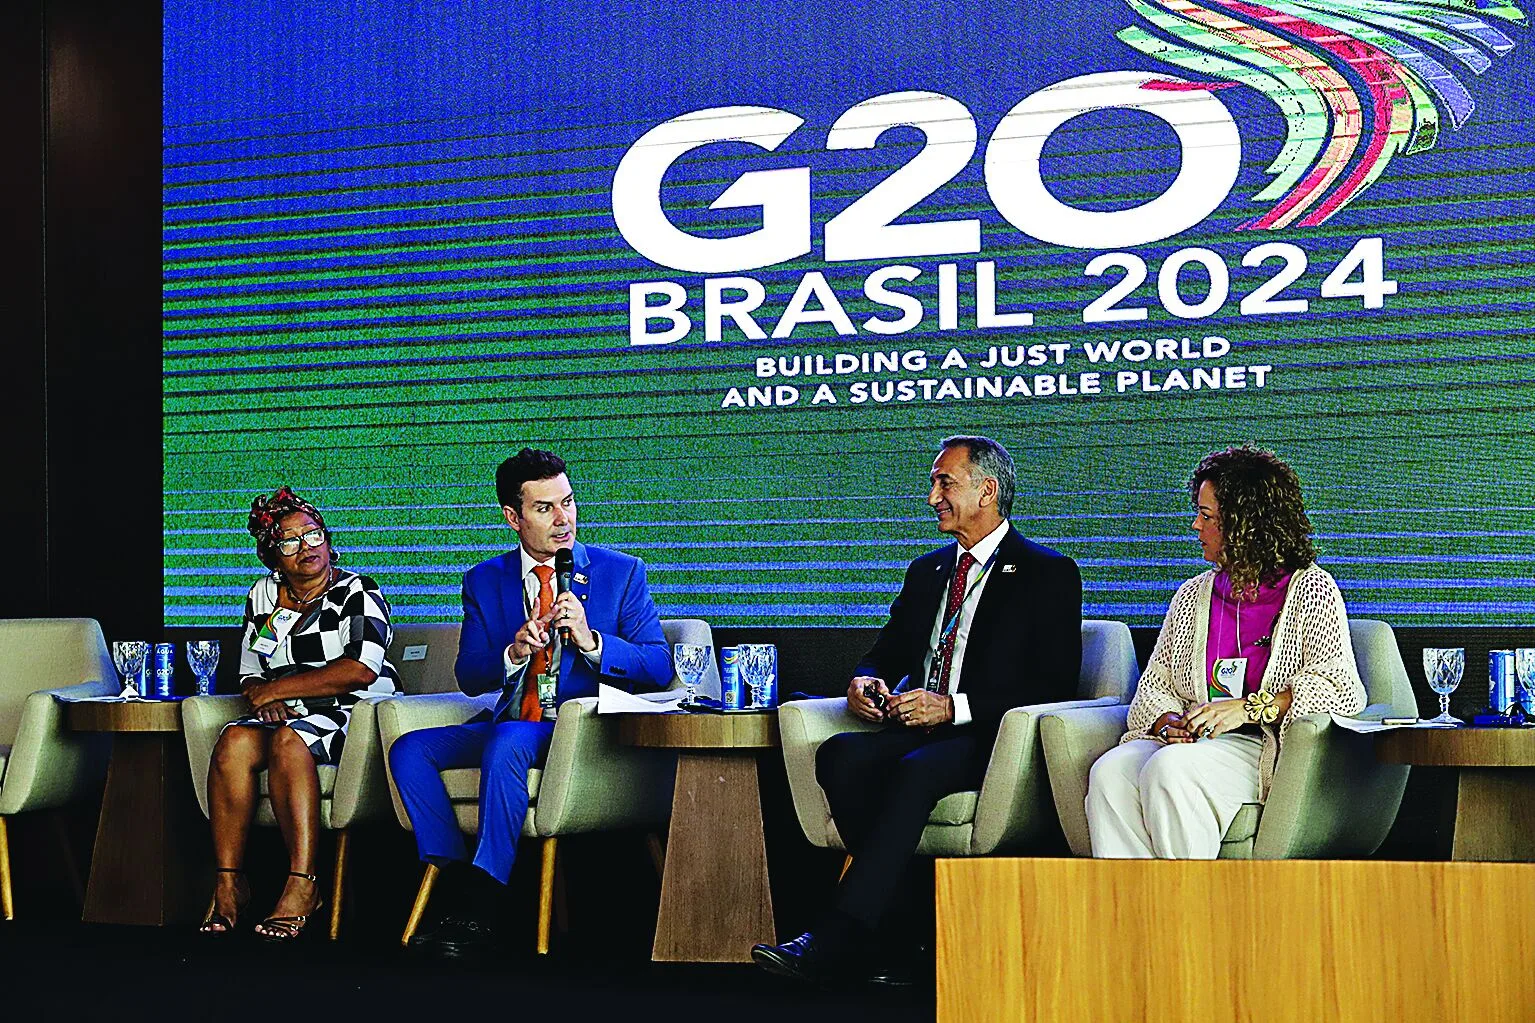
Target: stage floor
{"points": [[70, 970]]}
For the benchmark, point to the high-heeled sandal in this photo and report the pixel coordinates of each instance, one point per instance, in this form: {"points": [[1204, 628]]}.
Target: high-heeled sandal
{"points": [[290, 927], [215, 917]]}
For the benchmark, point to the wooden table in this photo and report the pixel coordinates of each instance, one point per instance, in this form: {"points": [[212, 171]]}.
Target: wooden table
{"points": [[142, 867], [1495, 799], [715, 900]]}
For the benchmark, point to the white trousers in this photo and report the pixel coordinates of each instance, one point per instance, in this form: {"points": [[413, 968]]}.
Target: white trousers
{"points": [[1148, 799]]}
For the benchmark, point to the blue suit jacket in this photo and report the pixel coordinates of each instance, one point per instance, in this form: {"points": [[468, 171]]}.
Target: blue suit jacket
{"points": [[610, 584]]}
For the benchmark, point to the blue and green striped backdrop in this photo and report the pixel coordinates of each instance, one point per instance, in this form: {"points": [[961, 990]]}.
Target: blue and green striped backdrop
{"points": [[391, 258]]}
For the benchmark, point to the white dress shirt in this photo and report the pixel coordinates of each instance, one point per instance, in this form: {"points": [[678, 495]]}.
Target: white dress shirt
{"points": [[981, 552], [530, 587]]}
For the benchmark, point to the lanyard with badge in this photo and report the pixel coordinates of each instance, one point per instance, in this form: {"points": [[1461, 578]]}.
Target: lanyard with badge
{"points": [[946, 637], [273, 632], [1228, 675]]}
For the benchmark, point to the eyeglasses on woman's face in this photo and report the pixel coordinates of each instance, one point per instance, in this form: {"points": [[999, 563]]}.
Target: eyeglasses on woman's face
{"points": [[289, 545]]}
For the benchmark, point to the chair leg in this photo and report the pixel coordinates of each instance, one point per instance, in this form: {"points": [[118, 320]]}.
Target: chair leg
{"points": [[847, 862], [7, 907], [67, 849], [561, 908], [423, 894], [657, 846], [338, 883], [546, 893]]}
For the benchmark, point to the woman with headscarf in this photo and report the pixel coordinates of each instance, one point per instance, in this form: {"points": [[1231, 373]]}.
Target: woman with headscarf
{"points": [[314, 644]]}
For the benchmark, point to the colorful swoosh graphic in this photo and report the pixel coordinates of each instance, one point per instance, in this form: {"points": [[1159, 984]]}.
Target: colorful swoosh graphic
{"points": [[1358, 81]]}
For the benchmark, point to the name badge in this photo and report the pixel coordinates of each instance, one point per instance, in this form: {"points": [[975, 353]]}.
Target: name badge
{"points": [[265, 642], [546, 689], [1229, 675]]}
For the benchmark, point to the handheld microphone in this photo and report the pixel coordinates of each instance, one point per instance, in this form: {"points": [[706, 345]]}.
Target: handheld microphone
{"points": [[564, 565]]}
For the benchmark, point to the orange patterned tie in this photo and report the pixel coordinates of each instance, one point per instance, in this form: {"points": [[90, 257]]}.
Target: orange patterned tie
{"points": [[538, 664]]}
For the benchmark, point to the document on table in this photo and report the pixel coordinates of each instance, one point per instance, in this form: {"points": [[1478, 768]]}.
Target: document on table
{"points": [[612, 700], [1363, 726], [127, 696]]}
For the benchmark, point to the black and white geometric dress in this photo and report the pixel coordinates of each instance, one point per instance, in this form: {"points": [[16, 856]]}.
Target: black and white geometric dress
{"points": [[351, 620]]}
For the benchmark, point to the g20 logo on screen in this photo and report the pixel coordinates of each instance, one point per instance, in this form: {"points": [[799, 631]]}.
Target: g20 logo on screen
{"points": [[1340, 136], [1211, 150], [1210, 157]]}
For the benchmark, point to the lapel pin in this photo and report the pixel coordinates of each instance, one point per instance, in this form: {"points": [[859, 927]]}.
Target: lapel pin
{"points": [[1009, 568], [580, 578]]}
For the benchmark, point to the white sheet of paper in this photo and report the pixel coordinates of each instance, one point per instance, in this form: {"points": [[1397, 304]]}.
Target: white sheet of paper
{"points": [[612, 700], [1358, 725]]}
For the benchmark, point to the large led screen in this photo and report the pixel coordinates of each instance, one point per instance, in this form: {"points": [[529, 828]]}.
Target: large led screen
{"points": [[744, 264]]}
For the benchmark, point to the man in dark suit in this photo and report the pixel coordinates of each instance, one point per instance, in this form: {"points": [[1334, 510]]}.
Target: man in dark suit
{"points": [[511, 642], [990, 622]]}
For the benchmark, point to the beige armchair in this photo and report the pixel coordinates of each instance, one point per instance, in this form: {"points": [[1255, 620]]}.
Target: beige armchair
{"points": [[588, 782], [1011, 810], [1329, 797], [44, 765], [354, 790]]}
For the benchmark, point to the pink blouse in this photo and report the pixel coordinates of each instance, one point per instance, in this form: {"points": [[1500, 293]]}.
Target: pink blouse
{"points": [[1256, 629]]}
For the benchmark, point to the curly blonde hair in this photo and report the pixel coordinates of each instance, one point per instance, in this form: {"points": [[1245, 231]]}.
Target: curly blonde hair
{"points": [[1264, 528]]}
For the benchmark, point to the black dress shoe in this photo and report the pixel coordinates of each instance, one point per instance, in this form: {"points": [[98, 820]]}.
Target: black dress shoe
{"points": [[460, 938], [915, 967], [799, 959], [897, 973]]}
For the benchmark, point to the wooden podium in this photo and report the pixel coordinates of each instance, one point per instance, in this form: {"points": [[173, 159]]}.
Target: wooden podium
{"points": [[1064, 940]]}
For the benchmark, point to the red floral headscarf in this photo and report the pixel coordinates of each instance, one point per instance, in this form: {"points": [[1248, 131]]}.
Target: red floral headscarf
{"points": [[265, 523]]}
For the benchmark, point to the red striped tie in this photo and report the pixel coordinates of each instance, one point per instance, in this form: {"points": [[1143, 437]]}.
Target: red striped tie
{"points": [[956, 598]]}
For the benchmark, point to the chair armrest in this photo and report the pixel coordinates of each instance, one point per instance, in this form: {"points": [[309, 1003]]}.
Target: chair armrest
{"points": [[1330, 796], [592, 782], [401, 714], [51, 765], [1014, 807], [802, 726], [202, 719], [362, 787], [1072, 740]]}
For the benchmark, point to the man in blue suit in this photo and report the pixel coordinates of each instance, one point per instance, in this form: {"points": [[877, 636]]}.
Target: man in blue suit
{"points": [[511, 639]]}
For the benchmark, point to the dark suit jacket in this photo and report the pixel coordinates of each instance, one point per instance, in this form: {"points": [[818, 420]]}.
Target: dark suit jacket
{"points": [[610, 584], [1025, 642]]}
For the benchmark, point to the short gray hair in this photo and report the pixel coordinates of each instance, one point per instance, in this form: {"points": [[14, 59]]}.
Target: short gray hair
{"points": [[988, 458]]}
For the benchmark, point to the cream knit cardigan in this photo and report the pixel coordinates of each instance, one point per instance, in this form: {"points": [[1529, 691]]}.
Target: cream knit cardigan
{"points": [[1311, 656]]}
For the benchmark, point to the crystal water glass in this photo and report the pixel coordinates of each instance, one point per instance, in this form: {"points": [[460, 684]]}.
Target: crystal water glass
{"points": [[756, 661], [1524, 668], [128, 656], [690, 660], [1443, 668], [203, 659]]}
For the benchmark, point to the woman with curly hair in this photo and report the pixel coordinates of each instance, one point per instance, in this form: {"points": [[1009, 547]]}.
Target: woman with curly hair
{"points": [[1246, 647], [315, 638]]}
